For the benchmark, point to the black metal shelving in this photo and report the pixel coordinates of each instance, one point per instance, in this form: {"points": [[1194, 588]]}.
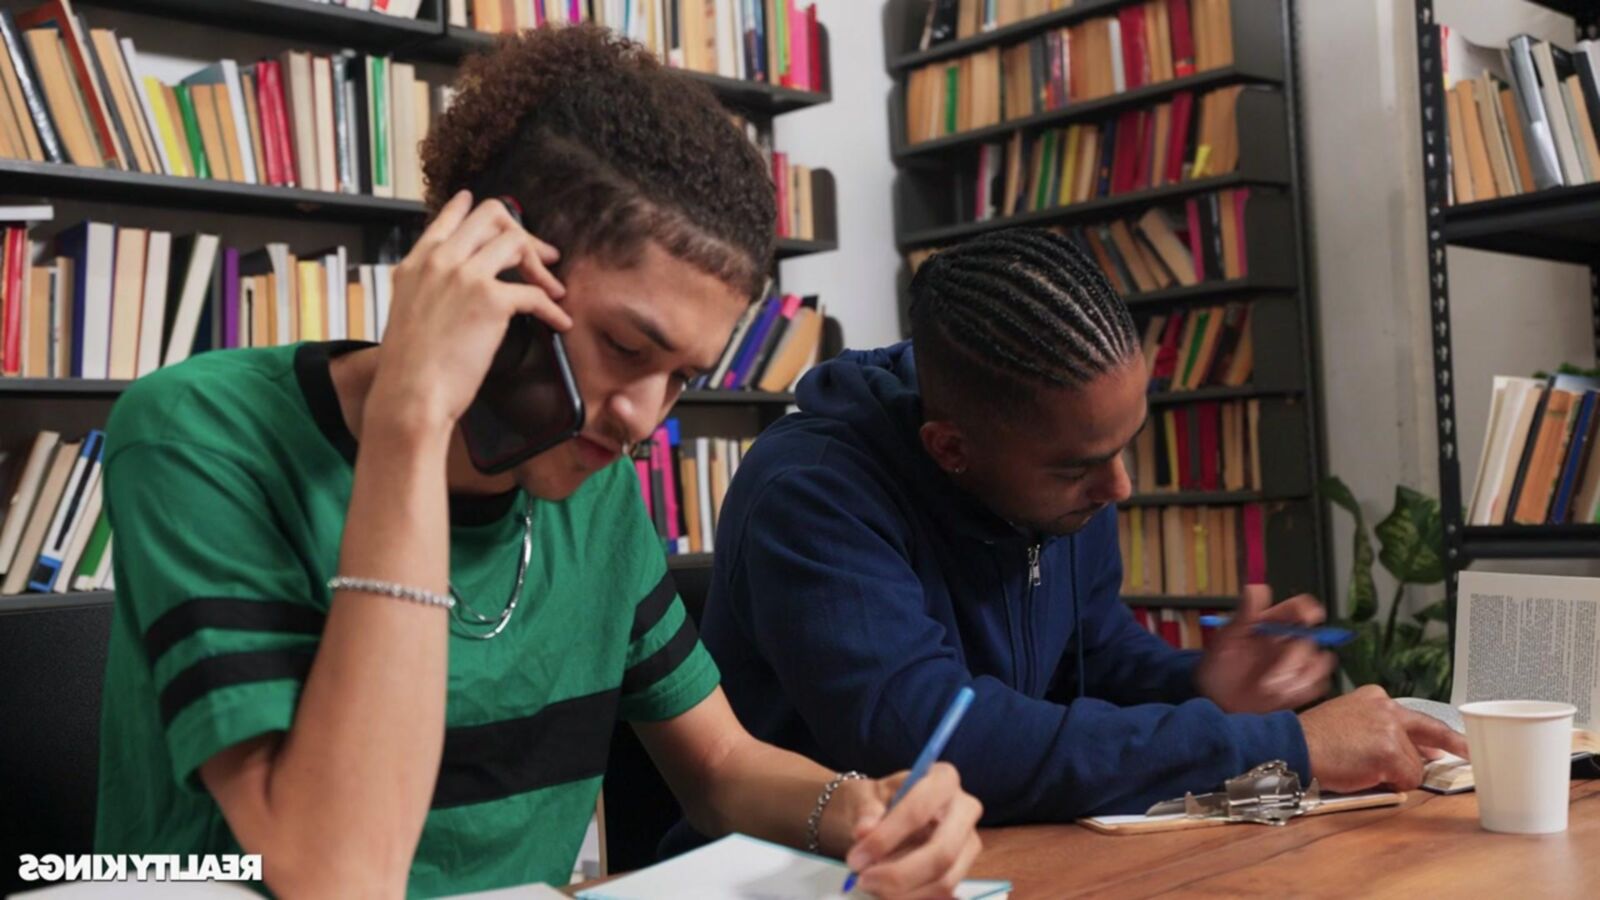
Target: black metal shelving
{"points": [[929, 214], [20, 603], [1560, 224], [1091, 210]]}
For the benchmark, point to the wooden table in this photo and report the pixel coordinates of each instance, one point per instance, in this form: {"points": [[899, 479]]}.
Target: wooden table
{"points": [[1430, 847]]}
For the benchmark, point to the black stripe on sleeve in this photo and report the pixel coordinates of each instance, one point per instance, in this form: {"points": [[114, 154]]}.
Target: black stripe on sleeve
{"points": [[654, 605], [661, 663], [229, 669], [233, 614], [566, 741]]}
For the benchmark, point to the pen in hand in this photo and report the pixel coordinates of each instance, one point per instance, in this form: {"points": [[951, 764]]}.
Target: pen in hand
{"points": [[928, 756], [1326, 637]]}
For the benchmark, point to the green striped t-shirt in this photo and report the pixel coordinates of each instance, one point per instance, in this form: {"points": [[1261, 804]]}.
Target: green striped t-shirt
{"points": [[227, 479]]}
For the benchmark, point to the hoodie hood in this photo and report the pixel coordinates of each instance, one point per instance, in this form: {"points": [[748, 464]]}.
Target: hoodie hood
{"points": [[875, 393]]}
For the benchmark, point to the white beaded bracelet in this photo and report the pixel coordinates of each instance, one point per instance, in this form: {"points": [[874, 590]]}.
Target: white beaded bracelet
{"points": [[390, 589]]}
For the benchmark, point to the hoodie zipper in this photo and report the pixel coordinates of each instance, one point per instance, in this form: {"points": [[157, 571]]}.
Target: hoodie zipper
{"points": [[1035, 577]]}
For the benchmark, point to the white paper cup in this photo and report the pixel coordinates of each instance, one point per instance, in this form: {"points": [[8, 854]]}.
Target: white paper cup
{"points": [[1521, 763]]}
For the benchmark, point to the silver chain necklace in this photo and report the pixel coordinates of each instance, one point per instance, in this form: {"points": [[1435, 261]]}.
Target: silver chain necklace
{"points": [[469, 619]]}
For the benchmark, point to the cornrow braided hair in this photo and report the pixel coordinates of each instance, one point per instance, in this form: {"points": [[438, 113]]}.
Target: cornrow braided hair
{"points": [[1024, 304]]}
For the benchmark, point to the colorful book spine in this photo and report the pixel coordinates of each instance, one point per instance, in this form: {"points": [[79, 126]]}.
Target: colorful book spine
{"points": [[191, 128]]}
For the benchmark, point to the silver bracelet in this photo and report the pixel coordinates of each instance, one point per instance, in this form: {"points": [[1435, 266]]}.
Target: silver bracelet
{"points": [[390, 589], [814, 824]]}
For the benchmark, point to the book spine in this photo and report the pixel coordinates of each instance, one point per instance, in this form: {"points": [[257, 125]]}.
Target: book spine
{"points": [[16, 243], [48, 566], [377, 85], [37, 111], [191, 127], [1579, 448], [117, 132], [230, 298], [288, 172], [1255, 549]]}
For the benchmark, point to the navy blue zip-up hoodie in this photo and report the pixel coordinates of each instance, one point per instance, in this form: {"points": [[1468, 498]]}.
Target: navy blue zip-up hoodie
{"points": [[857, 588]]}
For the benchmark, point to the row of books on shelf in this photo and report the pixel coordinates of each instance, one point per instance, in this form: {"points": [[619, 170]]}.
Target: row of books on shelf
{"points": [[952, 20], [1136, 150], [797, 216], [1191, 349], [1180, 628], [1192, 550], [341, 122], [1522, 117], [1202, 239], [1147, 43], [684, 480], [54, 536], [1206, 446], [1539, 464], [109, 301], [775, 341], [773, 41]]}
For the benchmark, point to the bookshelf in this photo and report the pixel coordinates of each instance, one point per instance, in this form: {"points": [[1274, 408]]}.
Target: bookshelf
{"points": [[296, 19], [752, 98], [1560, 224], [931, 212], [74, 405], [63, 180]]}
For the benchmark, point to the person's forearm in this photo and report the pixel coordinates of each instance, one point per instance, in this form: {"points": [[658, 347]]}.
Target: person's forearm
{"points": [[352, 782], [769, 793]]}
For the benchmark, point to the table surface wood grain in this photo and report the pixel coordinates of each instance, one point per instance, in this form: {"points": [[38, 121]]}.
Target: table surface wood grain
{"points": [[1432, 846]]}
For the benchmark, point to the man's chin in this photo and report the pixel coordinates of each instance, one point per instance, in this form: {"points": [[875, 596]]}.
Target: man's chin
{"points": [[1071, 523]]}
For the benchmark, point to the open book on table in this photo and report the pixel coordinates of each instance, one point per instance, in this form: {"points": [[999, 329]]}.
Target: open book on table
{"points": [[1522, 637]]}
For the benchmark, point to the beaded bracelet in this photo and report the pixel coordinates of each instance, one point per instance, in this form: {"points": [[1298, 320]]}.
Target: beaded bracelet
{"points": [[390, 589], [814, 823]]}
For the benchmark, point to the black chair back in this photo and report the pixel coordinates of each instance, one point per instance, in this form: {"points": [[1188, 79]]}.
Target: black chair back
{"points": [[639, 806], [52, 664]]}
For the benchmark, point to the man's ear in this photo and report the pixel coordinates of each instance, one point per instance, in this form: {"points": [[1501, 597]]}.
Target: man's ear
{"points": [[946, 443]]}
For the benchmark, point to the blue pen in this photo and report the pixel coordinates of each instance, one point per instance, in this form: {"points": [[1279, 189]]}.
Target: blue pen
{"points": [[929, 756], [1324, 637]]}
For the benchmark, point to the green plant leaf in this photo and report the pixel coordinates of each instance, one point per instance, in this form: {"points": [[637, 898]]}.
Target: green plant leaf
{"points": [[1362, 597], [1359, 658], [1406, 636], [1433, 612], [1412, 538], [1426, 666]]}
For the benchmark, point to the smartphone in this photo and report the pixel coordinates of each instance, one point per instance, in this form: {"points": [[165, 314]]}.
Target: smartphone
{"points": [[529, 401]]}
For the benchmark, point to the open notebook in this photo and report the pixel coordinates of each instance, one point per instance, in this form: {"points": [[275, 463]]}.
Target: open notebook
{"points": [[744, 868]]}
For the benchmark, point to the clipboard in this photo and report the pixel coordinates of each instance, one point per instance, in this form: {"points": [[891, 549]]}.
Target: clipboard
{"points": [[1141, 824]]}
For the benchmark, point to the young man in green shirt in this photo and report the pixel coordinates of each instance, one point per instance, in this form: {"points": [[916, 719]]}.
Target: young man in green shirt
{"points": [[257, 700]]}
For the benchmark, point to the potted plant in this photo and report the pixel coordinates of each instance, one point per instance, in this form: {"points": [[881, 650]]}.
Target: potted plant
{"points": [[1408, 657]]}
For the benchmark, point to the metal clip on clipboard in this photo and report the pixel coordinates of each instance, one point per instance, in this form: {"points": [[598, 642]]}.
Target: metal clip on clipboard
{"points": [[1268, 794]]}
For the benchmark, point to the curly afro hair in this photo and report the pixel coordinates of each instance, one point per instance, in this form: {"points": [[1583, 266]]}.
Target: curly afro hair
{"points": [[606, 149]]}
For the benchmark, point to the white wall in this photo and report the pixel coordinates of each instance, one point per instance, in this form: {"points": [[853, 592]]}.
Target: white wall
{"points": [[850, 136], [1364, 167]]}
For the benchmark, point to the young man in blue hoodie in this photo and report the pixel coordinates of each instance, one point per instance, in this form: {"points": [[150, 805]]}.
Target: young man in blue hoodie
{"points": [[942, 513]]}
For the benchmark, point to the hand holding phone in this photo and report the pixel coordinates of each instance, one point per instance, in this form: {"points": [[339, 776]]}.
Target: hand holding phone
{"points": [[529, 401], [451, 312]]}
